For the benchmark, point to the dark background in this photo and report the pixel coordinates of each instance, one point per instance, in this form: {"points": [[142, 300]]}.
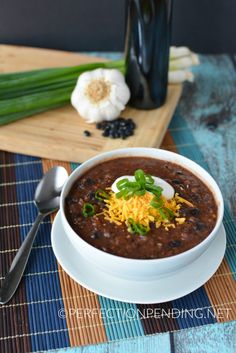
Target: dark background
{"points": [[207, 26]]}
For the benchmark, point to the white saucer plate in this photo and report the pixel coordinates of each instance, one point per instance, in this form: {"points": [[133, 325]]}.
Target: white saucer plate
{"points": [[159, 290]]}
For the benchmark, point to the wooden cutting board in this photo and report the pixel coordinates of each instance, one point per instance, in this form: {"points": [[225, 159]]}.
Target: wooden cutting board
{"points": [[58, 134]]}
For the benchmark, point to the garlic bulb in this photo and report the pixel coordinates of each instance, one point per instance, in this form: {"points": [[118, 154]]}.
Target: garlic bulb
{"points": [[100, 94]]}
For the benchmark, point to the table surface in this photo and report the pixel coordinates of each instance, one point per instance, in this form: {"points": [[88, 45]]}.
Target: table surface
{"points": [[209, 108]]}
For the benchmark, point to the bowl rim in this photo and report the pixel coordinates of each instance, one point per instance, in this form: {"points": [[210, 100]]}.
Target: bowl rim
{"points": [[97, 159]]}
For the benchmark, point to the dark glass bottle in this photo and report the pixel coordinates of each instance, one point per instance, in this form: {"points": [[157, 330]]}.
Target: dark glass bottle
{"points": [[147, 51]]}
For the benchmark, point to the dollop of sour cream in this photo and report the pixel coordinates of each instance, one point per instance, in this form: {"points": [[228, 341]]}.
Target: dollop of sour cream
{"points": [[168, 191]]}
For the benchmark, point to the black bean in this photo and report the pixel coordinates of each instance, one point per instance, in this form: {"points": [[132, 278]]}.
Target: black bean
{"points": [[128, 130], [195, 198], [70, 200], [101, 203], [89, 182], [189, 211], [179, 172], [194, 211], [77, 220], [118, 128], [96, 235], [91, 195], [176, 181], [132, 125], [87, 133], [105, 133], [174, 243], [152, 226], [199, 226], [107, 234], [206, 197], [193, 219], [108, 128], [99, 126], [184, 210], [143, 238]]}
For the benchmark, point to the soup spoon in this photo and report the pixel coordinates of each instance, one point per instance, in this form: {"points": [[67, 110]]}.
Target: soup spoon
{"points": [[46, 198]]}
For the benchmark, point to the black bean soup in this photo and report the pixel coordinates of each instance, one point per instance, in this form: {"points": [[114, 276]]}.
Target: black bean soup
{"points": [[159, 242]]}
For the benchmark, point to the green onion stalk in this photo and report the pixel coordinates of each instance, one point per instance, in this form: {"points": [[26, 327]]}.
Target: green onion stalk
{"points": [[32, 92], [27, 93]]}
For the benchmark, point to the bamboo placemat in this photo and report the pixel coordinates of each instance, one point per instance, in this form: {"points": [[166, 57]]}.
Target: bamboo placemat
{"points": [[51, 311]]}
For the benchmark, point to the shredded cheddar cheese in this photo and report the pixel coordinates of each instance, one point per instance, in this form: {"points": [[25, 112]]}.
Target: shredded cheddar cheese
{"points": [[182, 200], [180, 220], [138, 208]]}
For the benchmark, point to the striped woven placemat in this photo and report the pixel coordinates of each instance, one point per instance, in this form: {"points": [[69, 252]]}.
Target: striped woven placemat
{"points": [[51, 311]]}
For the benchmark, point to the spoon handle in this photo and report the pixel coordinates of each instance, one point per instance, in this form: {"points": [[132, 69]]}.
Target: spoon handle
{"points": [[13, 277]]}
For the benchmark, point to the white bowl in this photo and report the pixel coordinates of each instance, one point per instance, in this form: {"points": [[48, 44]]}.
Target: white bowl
{"points": [[141, 269]]}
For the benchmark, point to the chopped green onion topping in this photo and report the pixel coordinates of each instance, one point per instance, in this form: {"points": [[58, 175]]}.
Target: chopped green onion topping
{"points": [[101, 195], [140, 192], [156, 203], [88, 210], [156, 190], [121, 183], [169, 213], [164, 212], [149, 179], [137, 228], [140, 177], [119, 194], [143, 182]]}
